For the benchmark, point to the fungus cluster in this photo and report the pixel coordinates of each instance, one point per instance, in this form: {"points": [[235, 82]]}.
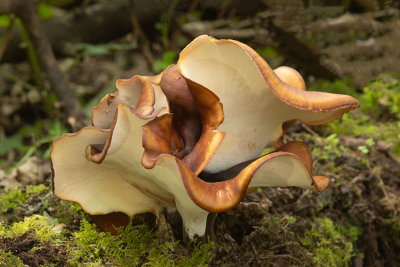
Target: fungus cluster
{"points": [[191, 137]]}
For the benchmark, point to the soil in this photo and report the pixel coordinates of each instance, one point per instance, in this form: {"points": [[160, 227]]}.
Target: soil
{"points": [[368, 197], [34, 253]]}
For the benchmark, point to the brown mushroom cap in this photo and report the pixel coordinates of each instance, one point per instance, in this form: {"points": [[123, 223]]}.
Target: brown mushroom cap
{"points": [[291, 77], [186, 120], [255, 101], [242, 105], [197, 114], [289, 166]]}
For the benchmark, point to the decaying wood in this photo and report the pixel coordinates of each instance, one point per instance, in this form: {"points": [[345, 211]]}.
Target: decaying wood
{"points": [[284, 25], [262, 30], [364, 58]]}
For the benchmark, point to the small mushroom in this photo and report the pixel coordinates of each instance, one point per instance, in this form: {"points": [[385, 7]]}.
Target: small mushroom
{"points": [[190, 138]]}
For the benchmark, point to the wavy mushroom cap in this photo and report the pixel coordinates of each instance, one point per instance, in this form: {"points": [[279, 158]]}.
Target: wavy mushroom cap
{"points": [[143, 93], [190, 137], [256, 102]]}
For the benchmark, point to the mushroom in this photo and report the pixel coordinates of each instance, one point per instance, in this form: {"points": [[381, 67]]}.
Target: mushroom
{"points": [[252, 94], [190, 138]]}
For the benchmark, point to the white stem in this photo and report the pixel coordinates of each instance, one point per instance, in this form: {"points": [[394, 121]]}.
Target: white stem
{"points": [[194, 220]]}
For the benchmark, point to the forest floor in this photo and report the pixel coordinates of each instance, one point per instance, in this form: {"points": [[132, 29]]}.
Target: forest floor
{"points": [[355, 222]]}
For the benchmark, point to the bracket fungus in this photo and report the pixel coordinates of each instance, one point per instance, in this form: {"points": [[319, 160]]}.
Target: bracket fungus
{"points": [[191, 137]]}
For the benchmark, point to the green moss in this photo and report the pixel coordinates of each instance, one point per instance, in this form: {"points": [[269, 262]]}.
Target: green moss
{"points": [[8, 259], [381, 96], [200, 255], [379, 114], [69, 213], [11, 199], [361, 126], [96, 247], [32, 240], [134, 246], [330, 244], [36, 224]]}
